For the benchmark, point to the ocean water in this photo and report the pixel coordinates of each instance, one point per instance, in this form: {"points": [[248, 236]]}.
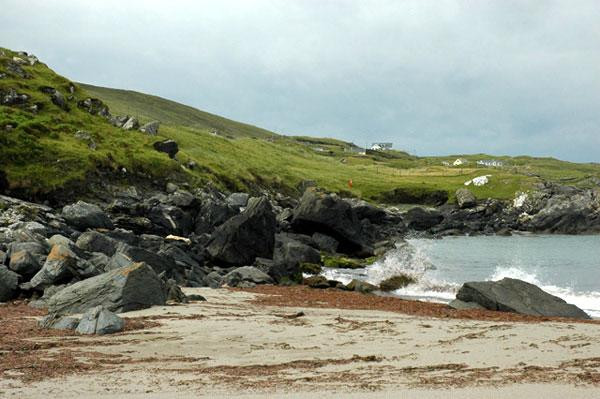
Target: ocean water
{"points": [[565, 266]]}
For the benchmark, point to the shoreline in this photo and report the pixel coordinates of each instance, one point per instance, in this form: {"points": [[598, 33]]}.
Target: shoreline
{"points": [[297, 342]]}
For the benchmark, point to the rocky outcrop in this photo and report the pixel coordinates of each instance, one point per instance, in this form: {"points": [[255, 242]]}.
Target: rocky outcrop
{"points": [[245, 236], [328, 214], [121, 290], [513, 295]]}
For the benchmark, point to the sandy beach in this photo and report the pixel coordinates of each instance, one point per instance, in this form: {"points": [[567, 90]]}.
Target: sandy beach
{"points": [[259, 343]]}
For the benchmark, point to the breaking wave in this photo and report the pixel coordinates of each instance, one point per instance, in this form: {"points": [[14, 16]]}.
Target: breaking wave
{"points": [[412, 258]]}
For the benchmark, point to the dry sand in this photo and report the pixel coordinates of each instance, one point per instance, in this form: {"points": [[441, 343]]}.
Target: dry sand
{"points": [[234, 345]]}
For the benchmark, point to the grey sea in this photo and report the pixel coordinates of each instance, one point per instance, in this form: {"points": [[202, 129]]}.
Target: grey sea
{"points": [[565, 266]]}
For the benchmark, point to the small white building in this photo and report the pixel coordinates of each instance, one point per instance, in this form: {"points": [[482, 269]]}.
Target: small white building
{"points": [[490, 163], [459, 162], [381, 146]]}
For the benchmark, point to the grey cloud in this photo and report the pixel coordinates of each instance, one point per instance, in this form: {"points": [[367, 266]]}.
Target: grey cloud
{"points": [[433, 77]]}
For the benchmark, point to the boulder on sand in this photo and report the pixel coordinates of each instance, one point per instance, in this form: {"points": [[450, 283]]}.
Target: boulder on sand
{"points": [[513, 295], [245, 236], [246, 276], [128, 288]]}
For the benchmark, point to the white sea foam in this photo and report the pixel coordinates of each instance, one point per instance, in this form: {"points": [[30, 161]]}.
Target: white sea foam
{"points": [[413, 258]]}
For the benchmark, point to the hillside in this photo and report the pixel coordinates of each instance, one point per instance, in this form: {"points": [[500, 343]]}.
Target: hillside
{"points": [[42, 151], [147, 107]]}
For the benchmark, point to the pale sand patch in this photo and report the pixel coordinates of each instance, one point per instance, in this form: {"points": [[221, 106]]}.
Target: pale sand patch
{"points": [[228, 347]]}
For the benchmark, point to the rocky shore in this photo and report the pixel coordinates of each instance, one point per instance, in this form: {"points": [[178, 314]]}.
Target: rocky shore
{"points": [[72, 258]]}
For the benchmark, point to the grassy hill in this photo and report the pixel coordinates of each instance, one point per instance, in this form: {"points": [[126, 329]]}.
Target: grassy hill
{"points": [[147, 107], [40, 152]]}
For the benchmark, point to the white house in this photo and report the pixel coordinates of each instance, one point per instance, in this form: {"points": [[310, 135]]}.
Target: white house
{"points": [[381, 146], [490, 162], [459, 162]]}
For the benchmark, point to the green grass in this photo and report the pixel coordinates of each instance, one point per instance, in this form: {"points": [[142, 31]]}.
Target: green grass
{"points": [[42, 154], [147, 107]]}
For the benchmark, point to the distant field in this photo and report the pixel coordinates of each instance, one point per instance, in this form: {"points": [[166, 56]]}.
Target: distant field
{"points": [[42, 154]]}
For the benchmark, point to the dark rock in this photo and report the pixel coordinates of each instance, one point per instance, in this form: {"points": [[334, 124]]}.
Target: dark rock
{"points": [[82, 215], [196, 297], [246, 274], [93, 241], [325, 243], [364, 210], [14, 68], [360, 286], [170, 219], [169, 147], [9, 281], [420, 219], [158, 262], [317, 282], [512, 295], [213, 280], [173, 292], [11, 97], [328, 214], [238, 200], [245, 236], [396, 282], [287, 257], [129, 288], [100, 321], [150, 128], [93, 106], [465, 198], [24, 263], [310, 268], [61, 323], [60, 266]]}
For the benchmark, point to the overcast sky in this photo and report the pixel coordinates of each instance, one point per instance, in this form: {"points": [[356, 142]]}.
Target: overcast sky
{"points": [[433, 77]]}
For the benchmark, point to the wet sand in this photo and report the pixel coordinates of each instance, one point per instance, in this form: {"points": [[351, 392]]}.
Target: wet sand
{"points": [[253, 343]]}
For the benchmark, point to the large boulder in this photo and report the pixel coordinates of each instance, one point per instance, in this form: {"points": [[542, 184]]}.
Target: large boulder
{"points": [[513, 295], [465, 198], [150, 128], [8, 284], [245, 236], [288, 255], [82, 215], [128, 288], [93, 241], [328, 214]]}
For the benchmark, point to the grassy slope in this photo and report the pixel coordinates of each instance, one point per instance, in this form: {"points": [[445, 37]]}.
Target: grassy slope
{"points": [[256, 157], [285, 161], [147, 107], [42, 154]]}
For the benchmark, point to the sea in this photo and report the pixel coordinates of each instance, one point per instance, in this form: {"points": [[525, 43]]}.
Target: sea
{"points": [[567, 266]]}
